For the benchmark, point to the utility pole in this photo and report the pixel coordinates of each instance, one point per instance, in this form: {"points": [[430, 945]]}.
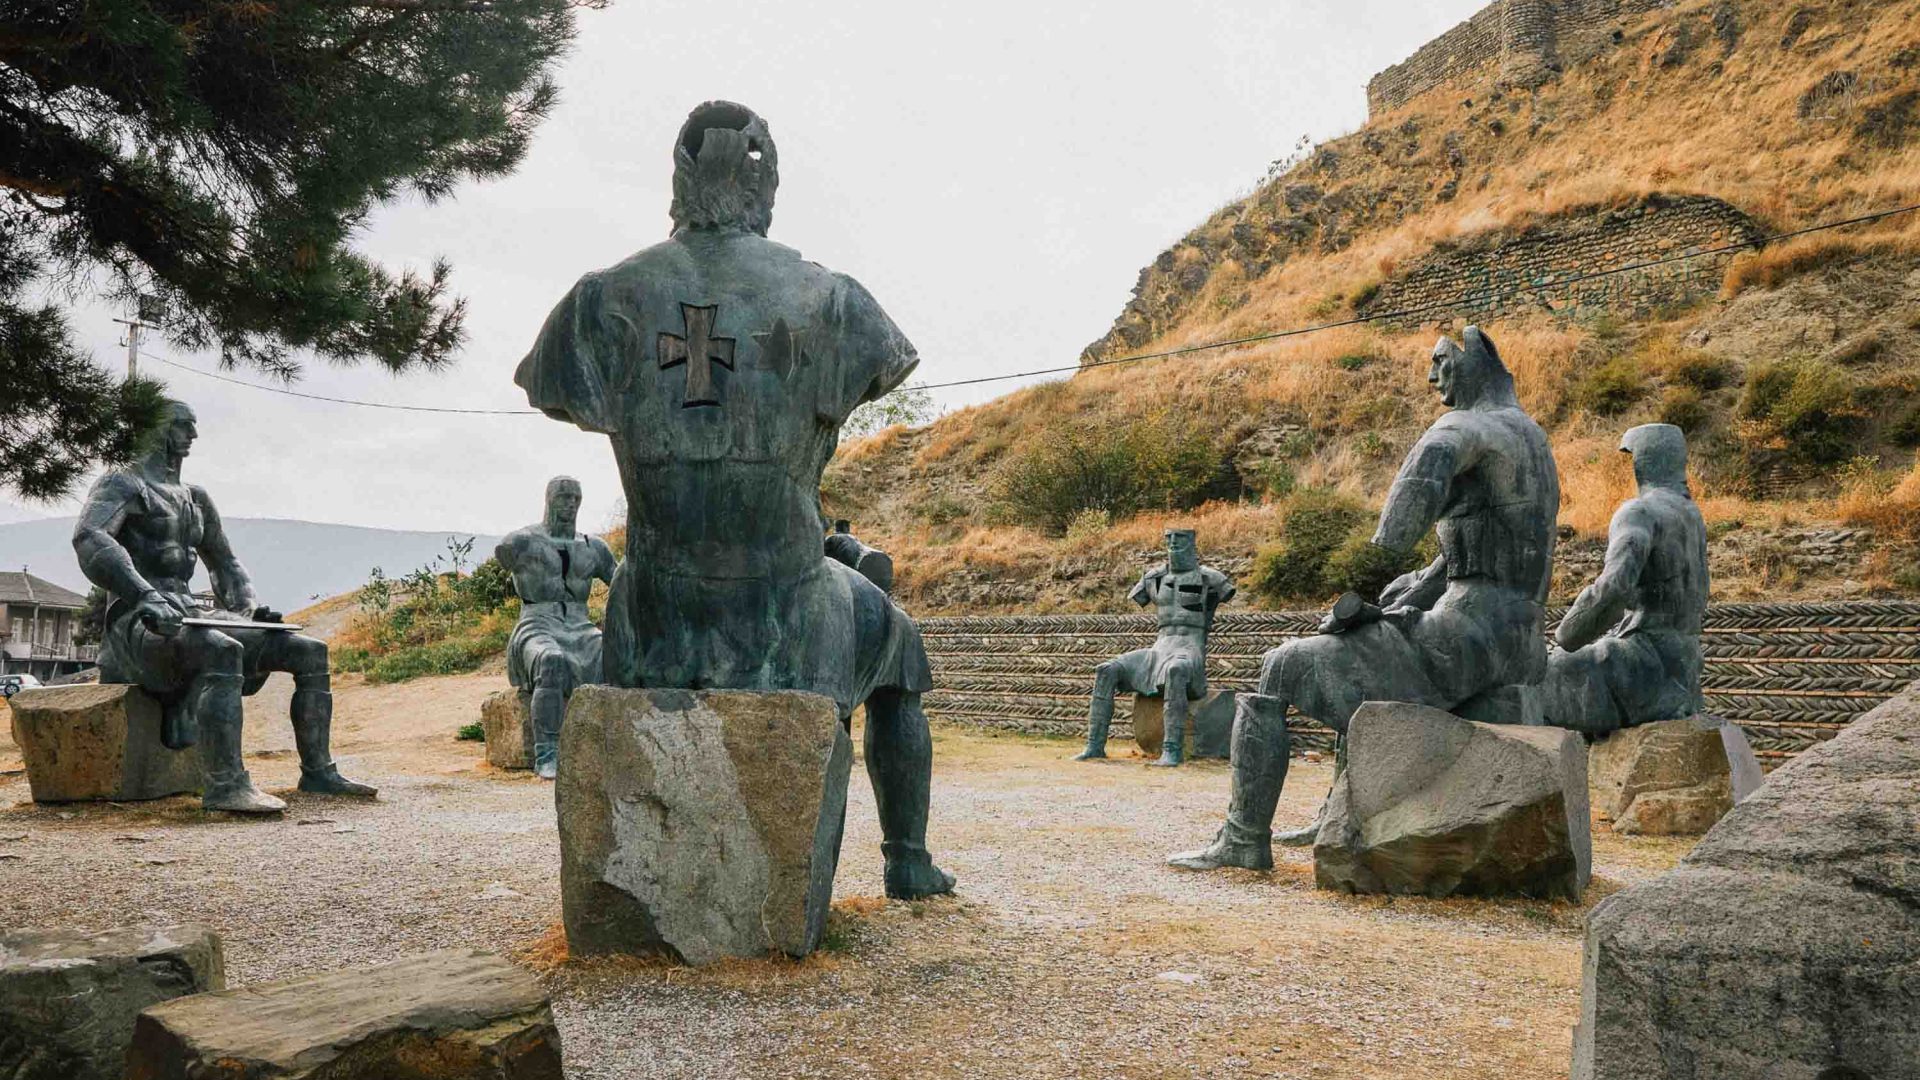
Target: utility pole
{"points": [[147, 313]]}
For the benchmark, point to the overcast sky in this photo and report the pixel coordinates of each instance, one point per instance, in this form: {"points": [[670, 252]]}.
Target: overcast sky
{"points": [[995, 172]]}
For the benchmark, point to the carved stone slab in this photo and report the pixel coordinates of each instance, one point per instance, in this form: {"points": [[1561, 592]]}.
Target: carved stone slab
{"points": [[1433, 805], [699, 824], [68, 998], [93, 742], [457, 1013], [1664, 779]]}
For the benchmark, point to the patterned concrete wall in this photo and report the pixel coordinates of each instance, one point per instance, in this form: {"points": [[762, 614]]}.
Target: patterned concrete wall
{"points": [[1792, 675], [1517, 42], [1503, 272]]}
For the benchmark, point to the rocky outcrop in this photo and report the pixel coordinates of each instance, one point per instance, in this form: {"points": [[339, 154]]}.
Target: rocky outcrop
{"points": [[1209, 729], [699, 824], [98, 741], [1664, 779], [68, 998], [506, 722], [1433, 805], [1787, 944], [440, 1016]]}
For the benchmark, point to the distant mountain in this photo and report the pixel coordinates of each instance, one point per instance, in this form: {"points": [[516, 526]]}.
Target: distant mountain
{"points": [[291, 562]]}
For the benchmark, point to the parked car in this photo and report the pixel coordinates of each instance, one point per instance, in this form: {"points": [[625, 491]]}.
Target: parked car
{"points": [[13, 684]]}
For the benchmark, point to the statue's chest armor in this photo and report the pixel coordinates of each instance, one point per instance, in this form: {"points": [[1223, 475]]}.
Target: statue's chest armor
{"points": [[165, 530], [1182, 599], [569, 563]]}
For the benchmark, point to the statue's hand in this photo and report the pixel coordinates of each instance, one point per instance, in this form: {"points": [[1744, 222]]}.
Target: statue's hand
{"points": [[1391, 595], [160, 613], [1348, 612], [267, 614]]}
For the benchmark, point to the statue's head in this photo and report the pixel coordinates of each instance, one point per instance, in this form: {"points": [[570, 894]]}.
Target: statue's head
{"points": [[1182, 553], [176, 432], [1659, 455], [725, 170], [563, 502], [1470, 375]]}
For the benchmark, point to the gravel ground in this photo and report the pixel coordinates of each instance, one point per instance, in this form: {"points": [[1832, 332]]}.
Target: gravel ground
{"points": [[1069, 951]]}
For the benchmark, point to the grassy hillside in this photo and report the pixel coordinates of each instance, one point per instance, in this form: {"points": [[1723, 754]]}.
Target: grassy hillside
{"points": [[1799, 382]]}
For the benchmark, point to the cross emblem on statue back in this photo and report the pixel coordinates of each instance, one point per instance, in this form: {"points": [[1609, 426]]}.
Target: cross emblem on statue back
{"points": [[699, 350]]}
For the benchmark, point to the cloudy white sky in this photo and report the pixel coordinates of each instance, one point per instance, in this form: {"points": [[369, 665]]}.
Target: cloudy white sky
{"points": [[995, 172]]}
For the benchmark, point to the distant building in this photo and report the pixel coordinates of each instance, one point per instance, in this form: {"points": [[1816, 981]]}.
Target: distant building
{"points": [[37, 621]]}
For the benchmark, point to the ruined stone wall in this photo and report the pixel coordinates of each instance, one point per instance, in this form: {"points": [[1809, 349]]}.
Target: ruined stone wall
{"points": [[1504, 272], [1514, 42]]}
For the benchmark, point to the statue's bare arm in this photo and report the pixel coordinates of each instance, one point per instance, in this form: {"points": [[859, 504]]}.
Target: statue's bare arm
{"points": [[607, 564], [1419, 589], [1142, 593], [1421, 490], [232, 588], [1601, 604], [107, 563]]}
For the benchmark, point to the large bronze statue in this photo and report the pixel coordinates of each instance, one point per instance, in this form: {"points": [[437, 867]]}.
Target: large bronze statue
{"points": [[1470, 623], [138, 538], [1630, 645], [555, 646], [721, 365], [1184, 594]]}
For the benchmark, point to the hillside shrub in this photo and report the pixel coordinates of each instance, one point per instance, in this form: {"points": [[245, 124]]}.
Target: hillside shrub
{"points": [[1168, 461], [433, 621], [1805, 407], [1906, 430], [1359, 566], [1683, 407], [1699, 369], [1612, 388], [1314, 525]]}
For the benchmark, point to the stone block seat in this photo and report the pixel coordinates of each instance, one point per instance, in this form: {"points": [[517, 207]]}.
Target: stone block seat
{"points": [[506, 722], [699, 825], [456, 1014], [1209, 731], [1433, 805], [68, 998], [99, 742]]}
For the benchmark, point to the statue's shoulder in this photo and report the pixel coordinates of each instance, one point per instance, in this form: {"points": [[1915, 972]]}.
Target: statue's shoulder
{"points": [[119, 487]]}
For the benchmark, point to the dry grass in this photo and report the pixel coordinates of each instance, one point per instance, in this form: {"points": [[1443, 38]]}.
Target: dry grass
{"points": [[1891, 509]]}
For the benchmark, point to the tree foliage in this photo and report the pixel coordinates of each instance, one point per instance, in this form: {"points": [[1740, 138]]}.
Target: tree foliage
{"points": [[219, 156]]}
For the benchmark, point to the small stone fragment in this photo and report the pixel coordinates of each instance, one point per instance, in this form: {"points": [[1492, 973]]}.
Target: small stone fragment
{"points": [[506, 719]]}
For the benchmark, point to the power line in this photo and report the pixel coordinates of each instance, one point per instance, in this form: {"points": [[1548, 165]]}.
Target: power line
{"points": [[1441, 305], [1464, 300], [345, 401]]}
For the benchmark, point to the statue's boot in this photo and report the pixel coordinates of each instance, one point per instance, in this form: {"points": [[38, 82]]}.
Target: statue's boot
{"points": [[1099, 719], [899, 752], [1260, 747], [549, 708], [312, 713], [218, 712], [1173, 739]]}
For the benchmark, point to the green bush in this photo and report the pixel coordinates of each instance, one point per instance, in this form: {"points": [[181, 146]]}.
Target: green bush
{"points": [[1359, 566], [451, 657], [1353, 361], [1804, 406], [1313, 527], [1273, 478], [1612, 388], [1700, 370], [470, 733], [1166, 461], [1683, 408], [1906, 430]]}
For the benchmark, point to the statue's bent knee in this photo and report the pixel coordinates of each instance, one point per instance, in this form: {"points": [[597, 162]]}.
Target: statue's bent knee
{"points": [[553, 672], [219, 654]]}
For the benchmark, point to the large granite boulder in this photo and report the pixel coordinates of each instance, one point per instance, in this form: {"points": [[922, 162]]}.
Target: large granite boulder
{"points": [[451, 1015], [1786, 945], [68, 998], [699, 824], [506, 722], [1433, 805], [1664, 779], [1209, 730], [99, 741]]}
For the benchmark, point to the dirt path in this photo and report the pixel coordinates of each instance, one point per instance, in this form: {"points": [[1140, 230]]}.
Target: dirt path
{"points": [[1069, 952]]}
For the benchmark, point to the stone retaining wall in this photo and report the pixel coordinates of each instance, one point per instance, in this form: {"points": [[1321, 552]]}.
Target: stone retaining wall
{"points": [[1505, 272], [1792, 675], [1517, 42]]}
